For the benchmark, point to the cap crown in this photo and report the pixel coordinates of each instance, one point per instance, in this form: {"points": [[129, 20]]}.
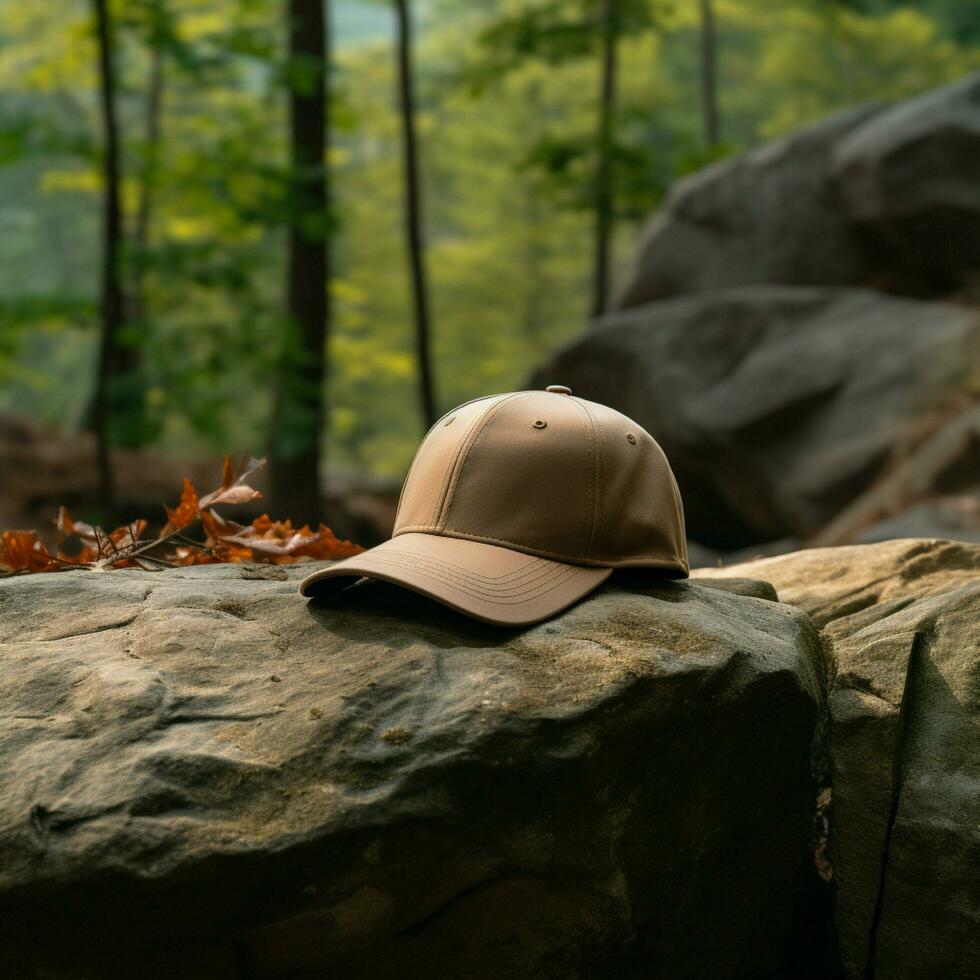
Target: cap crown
{"points": [[547, 474]]}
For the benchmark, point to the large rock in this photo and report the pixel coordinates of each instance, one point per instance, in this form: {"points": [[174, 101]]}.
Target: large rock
{"points": [[771, 216], [831, 584], [877, 196], [908, 176], [956, 517], [900, 625], [205, 776], [775, 405]]}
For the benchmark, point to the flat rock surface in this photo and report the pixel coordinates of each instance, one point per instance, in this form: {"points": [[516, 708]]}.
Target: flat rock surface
{"points": [[900, 626], [203, 774]]}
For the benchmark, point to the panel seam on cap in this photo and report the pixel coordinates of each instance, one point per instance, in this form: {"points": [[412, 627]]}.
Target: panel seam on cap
{"points": [[681, 542], [592, 427], [418, 452], [433, 523], [459, 461]]}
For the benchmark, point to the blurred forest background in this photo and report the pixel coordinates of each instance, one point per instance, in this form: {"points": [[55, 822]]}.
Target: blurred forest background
{"points": [[308, 227]]}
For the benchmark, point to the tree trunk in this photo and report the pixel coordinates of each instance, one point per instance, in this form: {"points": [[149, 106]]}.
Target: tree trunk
{"points": [[604, 190], [112, 312], [413, 212], [297, 417], [151, 143], [709, 79], [133, 355]]}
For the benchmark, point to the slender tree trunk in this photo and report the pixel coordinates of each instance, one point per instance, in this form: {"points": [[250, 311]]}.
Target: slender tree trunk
{"points": [[413, 212], [297, 418], [133, 355], [112, 297], [151, 142], [709, 76], [604, 189]]}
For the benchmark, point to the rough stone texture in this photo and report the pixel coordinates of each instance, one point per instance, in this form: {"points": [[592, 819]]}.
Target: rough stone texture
{"points": [[908, 176], [833, 583], [742, 586], [202, 775], [771, 216], [775, 405], [900, 623]]}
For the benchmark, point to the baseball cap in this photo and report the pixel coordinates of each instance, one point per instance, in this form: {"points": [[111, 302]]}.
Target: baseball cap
{"points": [[517, 505]]}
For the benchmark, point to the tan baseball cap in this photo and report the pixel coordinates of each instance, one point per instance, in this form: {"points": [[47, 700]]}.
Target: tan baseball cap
{"points": [[517, 505]]}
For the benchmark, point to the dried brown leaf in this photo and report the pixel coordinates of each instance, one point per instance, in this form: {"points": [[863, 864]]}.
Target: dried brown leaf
{"points": [[21, 551], [233, 489], [185, 512]]}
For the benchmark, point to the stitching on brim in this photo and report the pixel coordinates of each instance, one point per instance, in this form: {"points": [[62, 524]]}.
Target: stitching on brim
{"points": [[506, 601], [507, 578], [525, 590], [549, 571]]}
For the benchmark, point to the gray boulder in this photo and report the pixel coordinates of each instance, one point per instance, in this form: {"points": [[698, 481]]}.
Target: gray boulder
{"points": [[956, 517], [900, 626], [204, 776], [873, 196], [908, 176], [775, 405], [771, 216]]}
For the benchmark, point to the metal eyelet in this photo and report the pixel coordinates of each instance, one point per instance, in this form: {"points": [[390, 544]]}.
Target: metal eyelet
{"points": [[539, 424], [630, 438]]}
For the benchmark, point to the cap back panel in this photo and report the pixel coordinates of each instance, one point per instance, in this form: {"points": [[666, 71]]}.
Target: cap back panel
{"points": [[640, 519]]}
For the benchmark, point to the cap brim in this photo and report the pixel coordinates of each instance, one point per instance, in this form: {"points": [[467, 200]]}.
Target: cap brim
{"points": [[485, 581]]}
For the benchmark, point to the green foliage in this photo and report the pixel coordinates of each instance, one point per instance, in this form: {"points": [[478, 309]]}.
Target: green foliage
{"points": [[507, 93], [556, 32]]}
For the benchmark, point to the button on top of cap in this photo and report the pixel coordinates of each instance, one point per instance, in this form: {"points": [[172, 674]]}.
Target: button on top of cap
{"points": [[559, 389]]}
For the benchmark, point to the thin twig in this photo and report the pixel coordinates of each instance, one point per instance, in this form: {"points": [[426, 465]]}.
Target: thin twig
{"points": [[181, 538], [162, 562], [139, 549], [68, 564]]}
